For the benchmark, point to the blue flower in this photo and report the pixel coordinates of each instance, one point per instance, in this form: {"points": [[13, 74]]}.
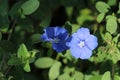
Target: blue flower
{"points": [[57, 36], [82, 44]]}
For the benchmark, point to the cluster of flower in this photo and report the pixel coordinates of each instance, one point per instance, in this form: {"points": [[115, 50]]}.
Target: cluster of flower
{"points": [[80, 43]]}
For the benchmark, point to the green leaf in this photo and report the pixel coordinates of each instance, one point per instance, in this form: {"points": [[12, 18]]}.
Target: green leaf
{"points": [[106, 76], [102, 7], [30, 6], [115, 39], [23, 52], [78, 76], [46, 20], [35, 38], [97, 77], [111, 2], [44, 62], [4, 7], [116, 77], [119, 8], [14, 11], [100, 17], [27, 67], [114, 54], [14, 61], [54, 71], [111, 25], [108, 37], [64, 76], [68, 70], [69, 11]]}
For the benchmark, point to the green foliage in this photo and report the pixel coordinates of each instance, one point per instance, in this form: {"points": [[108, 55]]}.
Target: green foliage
{"points": [[29, 7], [22, 51], [102, 7], [100, 17], [54, 70], [111, 25], [106, 76], [44, 62]]}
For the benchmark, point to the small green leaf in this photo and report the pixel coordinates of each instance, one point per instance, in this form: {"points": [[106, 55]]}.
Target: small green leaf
{"points": [[46, 20], [114, 54], [115, 39], [111, 2], [44, 62], [54, 71], [14, 61], [108, 37], [69, 11], [64, 76], [111, 25], [97, 77], [106, 76], [23, 52], [119, 8], [78, 76], [30, 6], [35, 38], [14, 11], [100, 17], [27, 67], [102, 7]]}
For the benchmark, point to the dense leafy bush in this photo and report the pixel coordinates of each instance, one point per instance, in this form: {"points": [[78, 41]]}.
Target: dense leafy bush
{"points": [[59, 40]]}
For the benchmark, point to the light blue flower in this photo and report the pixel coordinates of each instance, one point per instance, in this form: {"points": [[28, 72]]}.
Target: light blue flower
{"points": [[82, 43], [57, 36]]}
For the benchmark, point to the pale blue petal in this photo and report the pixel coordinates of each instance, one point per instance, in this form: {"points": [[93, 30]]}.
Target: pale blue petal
{"points": [[73, 40], [75, 51], [85, 53], [91, 42], [83, 33]]}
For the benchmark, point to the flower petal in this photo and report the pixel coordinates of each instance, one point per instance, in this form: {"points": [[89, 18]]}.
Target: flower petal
{"points": [[59, 47], [73, 40], [75, 51], [91, 42], [59, 30], [83, 33], [85, 53], [50, 32]]}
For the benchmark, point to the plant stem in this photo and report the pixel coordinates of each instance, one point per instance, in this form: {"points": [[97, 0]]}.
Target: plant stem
{"points": [[13, 25], [113, 71], [2, 63]]}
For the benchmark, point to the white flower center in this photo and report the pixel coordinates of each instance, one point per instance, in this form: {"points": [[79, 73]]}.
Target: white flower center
{"points": [[56, 40], [81, 44]]}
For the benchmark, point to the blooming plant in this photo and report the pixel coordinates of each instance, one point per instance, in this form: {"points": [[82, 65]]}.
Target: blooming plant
{"points": [[82, 43], [57, 36], [33, 47]]}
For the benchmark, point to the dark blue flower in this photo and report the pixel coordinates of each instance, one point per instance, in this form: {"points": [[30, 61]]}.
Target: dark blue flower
{"points": [[82, 43], [57, 36]]}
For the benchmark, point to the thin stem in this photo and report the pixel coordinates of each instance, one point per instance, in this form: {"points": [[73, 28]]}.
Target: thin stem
{"points": [[9, 68], [13, 25], [58, 56], [113, 71], [2, 63]]}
